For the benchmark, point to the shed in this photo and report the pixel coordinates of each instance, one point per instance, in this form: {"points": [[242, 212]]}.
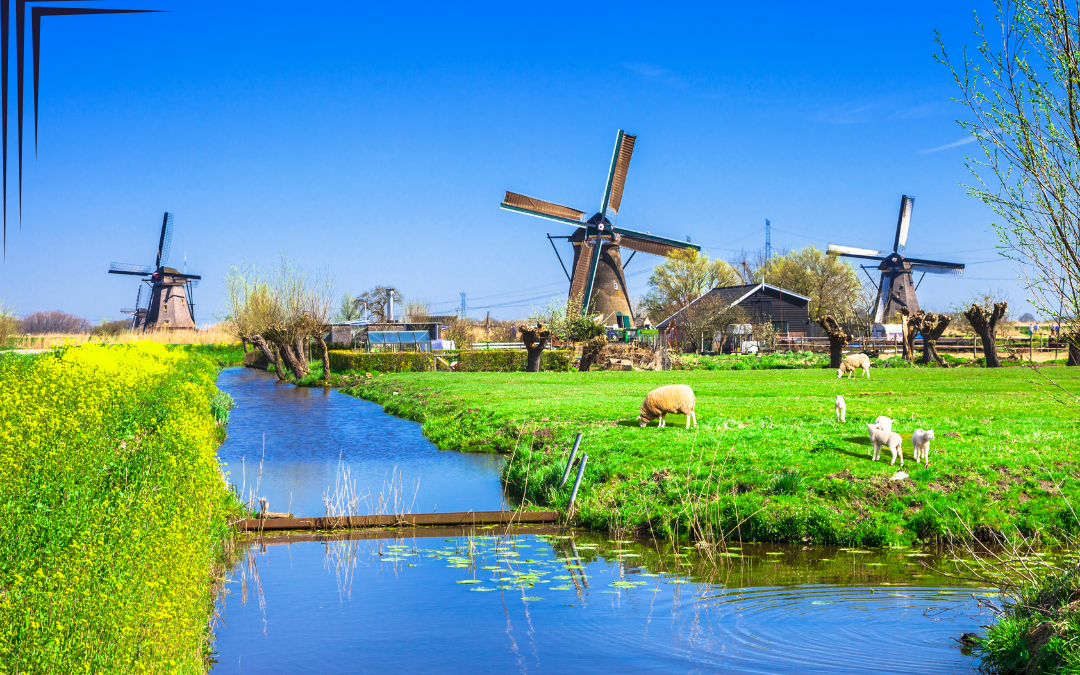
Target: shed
{"points": [[788, 311]]}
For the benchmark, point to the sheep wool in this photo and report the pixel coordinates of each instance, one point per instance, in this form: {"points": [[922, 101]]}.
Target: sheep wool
{"points": [[669, 399], [852, 364]]}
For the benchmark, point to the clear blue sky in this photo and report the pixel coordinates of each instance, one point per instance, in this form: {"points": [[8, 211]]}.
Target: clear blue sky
{"points": [[377, 141]]}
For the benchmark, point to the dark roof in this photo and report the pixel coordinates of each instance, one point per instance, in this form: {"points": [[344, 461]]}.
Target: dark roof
{"points": [[733, 295]]}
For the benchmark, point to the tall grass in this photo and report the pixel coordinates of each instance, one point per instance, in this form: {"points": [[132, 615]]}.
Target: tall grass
{"points": [[112, 510], [210, 335]]}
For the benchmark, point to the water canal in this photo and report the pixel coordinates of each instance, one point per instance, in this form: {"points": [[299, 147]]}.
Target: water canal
{"points": [[492, 601]]}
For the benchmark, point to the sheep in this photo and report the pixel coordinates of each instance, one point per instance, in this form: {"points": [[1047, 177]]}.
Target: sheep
{"points": [[841, 409], [672, 398], [883, 423], [921, 441], [880, 437], [853, 363]]}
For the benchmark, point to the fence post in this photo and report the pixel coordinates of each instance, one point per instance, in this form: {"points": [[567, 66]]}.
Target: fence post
{"points": [[570, 462], [577, 481]]}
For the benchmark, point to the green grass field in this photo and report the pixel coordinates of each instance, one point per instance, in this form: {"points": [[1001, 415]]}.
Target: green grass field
{"points": [[768, 461]]}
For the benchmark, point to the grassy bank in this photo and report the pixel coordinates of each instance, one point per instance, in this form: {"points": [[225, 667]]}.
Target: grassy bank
{"points": [[769, 462], [112, 509]]}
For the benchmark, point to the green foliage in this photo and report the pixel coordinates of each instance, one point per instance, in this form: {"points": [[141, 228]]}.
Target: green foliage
{"points": [[582, 328], [220, 406], [789, 482], [779, 360], [510, 360], [683, 277], [830, 282], [385, 362], [112, 510], [754, 425]]}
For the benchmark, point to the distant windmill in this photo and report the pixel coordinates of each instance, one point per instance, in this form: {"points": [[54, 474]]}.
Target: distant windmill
{"points": [[896, 288], [597, 281], [168, 303]]}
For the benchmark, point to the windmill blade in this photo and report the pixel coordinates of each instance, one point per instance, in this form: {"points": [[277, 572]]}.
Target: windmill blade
{"points": [[542, 209], [165, 243], [903, 222], [938, 268], [620, 164], [852, 252], [128, 268], [642, 238], [884, 286], [649, 246], [581, 273]]}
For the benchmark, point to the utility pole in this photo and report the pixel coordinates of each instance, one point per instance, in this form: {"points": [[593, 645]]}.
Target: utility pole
{"points": [[768, 239], [464, 305]]}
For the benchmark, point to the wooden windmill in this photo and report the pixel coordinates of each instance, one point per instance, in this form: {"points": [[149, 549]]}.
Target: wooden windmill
{"points": [[896, 288], [168, 302], [597, 280]]}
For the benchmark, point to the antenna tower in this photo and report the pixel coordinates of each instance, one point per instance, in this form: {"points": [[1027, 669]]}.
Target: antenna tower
{"points": [[464, 305], [768, 239]]}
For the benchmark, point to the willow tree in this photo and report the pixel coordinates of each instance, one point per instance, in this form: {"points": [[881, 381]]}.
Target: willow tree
{"points": [[1023, 92], [280, 313]]}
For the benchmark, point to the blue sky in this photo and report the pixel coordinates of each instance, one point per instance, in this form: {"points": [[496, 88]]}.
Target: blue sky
{"points": [[377, 141]]}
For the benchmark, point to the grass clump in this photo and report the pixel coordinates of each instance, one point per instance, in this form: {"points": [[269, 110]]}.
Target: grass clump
{"points": [[998, 438], [112, 509]]}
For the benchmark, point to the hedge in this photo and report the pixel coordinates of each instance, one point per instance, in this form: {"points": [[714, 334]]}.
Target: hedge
{"points": [[481, 360], [507, 360]]}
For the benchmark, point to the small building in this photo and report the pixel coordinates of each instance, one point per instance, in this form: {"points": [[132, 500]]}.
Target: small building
{"points": [[787, 311]]}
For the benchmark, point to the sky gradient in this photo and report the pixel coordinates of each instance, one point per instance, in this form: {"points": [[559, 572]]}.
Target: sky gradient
{"points": [[377, 141]]}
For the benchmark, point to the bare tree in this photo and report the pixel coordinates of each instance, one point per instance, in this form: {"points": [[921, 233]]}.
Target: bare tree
{"points": [[535, 338], [9, 325], [1023, 92], [932, 327], [838, 339], [985, 324], [374, 304], [40, 323]]}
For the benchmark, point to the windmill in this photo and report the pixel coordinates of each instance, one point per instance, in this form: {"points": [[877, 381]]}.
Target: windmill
{"points": [[168, 300], [896, 288], [597, 281]]}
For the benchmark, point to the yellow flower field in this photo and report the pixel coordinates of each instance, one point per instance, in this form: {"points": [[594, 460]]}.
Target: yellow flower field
{"points": [[112, 510]]}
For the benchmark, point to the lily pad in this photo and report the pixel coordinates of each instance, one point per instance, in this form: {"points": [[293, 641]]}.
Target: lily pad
{"points": [[469, 581]]}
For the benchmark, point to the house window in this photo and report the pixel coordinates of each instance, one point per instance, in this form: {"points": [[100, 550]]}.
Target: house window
{"points": [[780, 326]]}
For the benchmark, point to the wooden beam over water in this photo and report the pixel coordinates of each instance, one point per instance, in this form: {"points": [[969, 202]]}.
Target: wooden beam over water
{"points": [[464, 518]]}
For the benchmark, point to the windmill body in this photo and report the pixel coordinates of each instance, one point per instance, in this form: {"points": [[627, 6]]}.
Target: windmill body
{"points": [[168, 303], [897, 286], [597, 282]]}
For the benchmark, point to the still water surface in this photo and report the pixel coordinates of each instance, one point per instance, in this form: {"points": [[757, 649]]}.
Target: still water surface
{"points": [[540, 600]]}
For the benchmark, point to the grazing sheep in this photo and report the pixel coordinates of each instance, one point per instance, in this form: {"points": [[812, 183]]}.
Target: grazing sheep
{"points": [[921, 440], [672, 398], [841, 409], [853, 363], [883, 423], [880, 437]]}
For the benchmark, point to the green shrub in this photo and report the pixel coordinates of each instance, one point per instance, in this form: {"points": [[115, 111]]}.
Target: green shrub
{"points": [[789, 482], [385, 362], [510, 360]]}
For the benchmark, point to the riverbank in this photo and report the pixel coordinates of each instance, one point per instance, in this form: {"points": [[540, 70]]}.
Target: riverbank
{"points": [[114, 508], [768, 462]]}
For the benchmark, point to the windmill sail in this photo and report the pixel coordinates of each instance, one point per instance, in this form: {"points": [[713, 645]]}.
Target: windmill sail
{"points": [[652, 246], [947, 268], [903, 222], [538, 207], [165, 243], [852, 252], [580, 277], [620, 164], [128, 268]]}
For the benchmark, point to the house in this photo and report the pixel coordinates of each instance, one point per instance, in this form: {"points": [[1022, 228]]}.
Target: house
{"points": [[789, 312]]}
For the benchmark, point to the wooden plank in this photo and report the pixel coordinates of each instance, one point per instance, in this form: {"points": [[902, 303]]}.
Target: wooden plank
{"points": [[268, 538], [405, 520]]}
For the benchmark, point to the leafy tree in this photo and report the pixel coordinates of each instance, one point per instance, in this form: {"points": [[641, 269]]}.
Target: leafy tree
{"points": [[1023, 94], [1027, 317], [831, 283], [684, 277], [348, 310]]}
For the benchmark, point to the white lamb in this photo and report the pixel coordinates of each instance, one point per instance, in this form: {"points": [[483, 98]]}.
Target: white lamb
{"points": [[669, 399], [852, 364], [880, 437], [921, 441], [841, 409], [883, 423]]}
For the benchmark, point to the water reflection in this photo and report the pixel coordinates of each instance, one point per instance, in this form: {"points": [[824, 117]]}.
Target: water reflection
{"points": [[300, 435], [493, 600]]}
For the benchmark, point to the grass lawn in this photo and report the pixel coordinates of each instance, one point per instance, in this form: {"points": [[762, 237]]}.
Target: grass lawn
{"points": [[768, 461]]}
